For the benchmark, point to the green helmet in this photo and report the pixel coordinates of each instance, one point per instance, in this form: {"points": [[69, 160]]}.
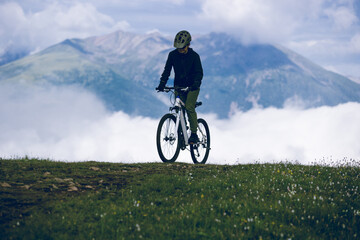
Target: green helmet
{"points": [[182, 39]]}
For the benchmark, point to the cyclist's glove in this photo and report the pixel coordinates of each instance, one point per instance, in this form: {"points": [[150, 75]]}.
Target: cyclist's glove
{"points": [[161, 87]]}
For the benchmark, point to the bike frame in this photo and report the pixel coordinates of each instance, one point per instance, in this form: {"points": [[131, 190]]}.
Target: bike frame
{"points": [[180, 119]]}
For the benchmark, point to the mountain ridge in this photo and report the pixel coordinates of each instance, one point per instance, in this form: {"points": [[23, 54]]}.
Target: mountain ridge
{"points": [[123, 69]]}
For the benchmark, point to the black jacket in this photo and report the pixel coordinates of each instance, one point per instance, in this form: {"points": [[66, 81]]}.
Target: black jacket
{"points": [[187, 68]]}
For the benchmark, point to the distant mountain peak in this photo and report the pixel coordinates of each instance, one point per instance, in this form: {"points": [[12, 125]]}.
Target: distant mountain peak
{"points": [[123, 69]]}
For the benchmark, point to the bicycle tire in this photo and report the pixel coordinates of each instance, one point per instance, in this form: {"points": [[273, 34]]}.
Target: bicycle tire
{"points": [[167, 145], [200, 151]]}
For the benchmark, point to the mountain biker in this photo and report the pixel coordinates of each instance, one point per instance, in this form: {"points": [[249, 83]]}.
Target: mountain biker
{"points": [[188, 73]]}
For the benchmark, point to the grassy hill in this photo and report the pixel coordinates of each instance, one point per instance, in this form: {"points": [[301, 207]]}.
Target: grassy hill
{"points": [[42, 199]]}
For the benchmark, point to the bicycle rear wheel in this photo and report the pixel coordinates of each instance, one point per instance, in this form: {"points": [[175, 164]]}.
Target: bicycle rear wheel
{"points": [[200, 151], [167, 144]]}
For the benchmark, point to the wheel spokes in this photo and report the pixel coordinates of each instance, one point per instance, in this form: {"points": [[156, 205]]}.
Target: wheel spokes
{"points": [[168, 144]]}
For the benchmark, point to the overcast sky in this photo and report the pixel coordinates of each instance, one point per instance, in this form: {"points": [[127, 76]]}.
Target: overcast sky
{"points": [[326, 31]]}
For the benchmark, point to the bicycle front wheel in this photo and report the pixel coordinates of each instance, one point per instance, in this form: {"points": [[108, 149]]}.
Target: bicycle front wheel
{"points": [[166, 141], [200, 151]]}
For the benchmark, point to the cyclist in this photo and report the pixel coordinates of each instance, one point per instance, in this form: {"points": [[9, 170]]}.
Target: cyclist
{"points": [[188, 73]]}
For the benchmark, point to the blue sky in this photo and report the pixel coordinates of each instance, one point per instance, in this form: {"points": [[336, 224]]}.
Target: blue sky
{"points": [[325, 31]]}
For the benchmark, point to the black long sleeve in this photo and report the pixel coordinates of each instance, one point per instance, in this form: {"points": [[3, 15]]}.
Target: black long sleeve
{"points": [[187, 67]]}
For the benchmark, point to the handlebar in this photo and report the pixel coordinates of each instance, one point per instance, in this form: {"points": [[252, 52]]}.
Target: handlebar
{"points": [[186, 89], [168, 89]]}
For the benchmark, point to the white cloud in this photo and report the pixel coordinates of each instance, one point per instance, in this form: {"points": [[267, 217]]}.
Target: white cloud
{"points": [[176, 2], [283, 20], [53, 23], [313, 135], [260, 21], [69, 124], [343, 18], [330, 26], [13, 23], [338, 55], [355, 43]]}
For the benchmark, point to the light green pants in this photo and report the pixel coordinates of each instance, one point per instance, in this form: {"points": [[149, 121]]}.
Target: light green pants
{"points": [[190, 99]]}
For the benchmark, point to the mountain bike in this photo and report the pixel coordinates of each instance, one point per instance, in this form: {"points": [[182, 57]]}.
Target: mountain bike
{"points": [[173, 132]]}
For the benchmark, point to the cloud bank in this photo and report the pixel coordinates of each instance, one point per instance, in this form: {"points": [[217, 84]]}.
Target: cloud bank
{"points": [[70, 124]]}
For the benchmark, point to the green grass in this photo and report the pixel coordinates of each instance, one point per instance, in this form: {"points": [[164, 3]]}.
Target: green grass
{"points": [[42, 199]]}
